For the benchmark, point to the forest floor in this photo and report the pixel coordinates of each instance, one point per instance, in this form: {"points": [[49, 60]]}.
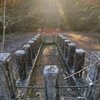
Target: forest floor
{"points": [[16, 41], [88, 41]]}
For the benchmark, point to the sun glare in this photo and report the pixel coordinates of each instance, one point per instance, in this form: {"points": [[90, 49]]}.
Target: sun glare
{"points": [[60, 8]]}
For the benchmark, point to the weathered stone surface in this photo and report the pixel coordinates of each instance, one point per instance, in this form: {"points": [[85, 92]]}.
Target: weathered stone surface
{"points": [[28, 53], [21, 63], [71, 53], [93, 79], [96, 54], [51, 84], [79, 61], [4, 56], [32, 47], [35, 45], [66, 42], [4, 91], [6, 81], [60, 41], [63, 40]]}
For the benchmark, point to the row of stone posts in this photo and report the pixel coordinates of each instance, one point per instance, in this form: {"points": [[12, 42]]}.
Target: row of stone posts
{"points": [[26, 56], [74, 57], [7, 82]]}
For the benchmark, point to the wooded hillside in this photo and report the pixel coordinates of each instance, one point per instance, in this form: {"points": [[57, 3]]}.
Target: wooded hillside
{"points": [[27, 15]]}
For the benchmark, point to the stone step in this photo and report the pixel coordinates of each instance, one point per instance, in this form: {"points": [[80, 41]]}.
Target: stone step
{"points": [[68, 98], [62, 98]]}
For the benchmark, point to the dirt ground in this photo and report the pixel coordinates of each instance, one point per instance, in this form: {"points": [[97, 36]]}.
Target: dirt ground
{"points": [[15, 42], [88, 41]]}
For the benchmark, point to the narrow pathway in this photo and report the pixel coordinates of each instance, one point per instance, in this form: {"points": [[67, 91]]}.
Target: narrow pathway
{"points": [[49, 56]]}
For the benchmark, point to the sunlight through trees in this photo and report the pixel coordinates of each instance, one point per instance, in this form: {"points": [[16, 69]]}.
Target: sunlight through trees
{"points": [[68, 14]]}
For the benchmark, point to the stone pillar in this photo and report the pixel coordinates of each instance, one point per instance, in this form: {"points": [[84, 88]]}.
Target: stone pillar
{"points": [[32, 46], [66, 42], [79, 61], [93, 79], [39, 40], [97, 78], [60, 41], [51, 82], [35, 45], [63, 39], [54, 38], [28, 53], [7, 84], [21, 63], [71, 52]]}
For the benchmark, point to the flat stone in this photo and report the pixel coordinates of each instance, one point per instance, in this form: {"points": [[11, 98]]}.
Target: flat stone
{"points": [[64, 38], [37, 36], [51, 70], [26, 46], [34, 39], [60, 35], [30, 42], [71, 44], [4, 56], [20, 52], [80, 50], [67, 40]]}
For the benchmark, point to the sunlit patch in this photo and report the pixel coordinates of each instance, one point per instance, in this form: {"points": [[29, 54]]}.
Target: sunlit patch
{"points": [[60, 8], [86, 42], [97, 47], [49, 4], [61, 11], [47, 51], [80, 37]]}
